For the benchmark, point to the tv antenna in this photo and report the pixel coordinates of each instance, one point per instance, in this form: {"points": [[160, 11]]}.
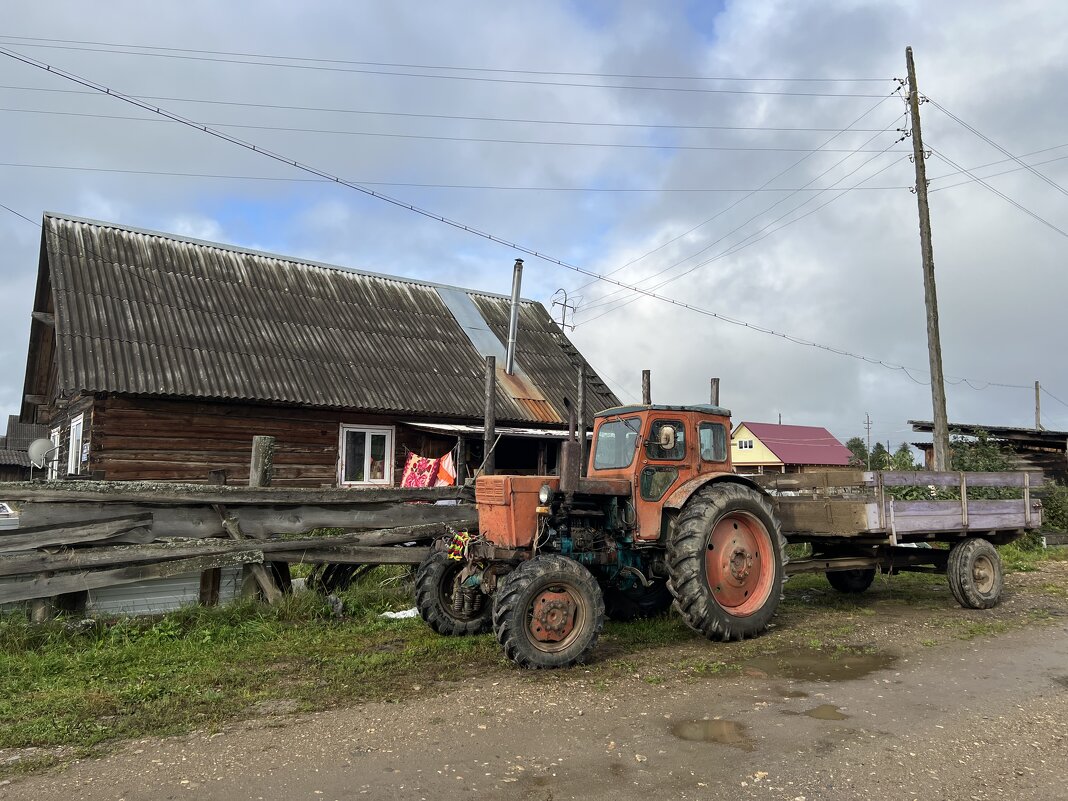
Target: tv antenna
{"points": [[560, 298]]}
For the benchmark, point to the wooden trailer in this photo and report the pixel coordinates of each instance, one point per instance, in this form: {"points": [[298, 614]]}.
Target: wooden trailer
{"points": [[858, 522]]}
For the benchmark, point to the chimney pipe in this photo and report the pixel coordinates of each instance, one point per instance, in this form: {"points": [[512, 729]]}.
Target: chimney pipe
{"points": [[513, 320]]}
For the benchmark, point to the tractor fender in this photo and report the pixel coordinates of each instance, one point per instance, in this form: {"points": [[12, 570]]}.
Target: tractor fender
{"points": [[678, 498]]}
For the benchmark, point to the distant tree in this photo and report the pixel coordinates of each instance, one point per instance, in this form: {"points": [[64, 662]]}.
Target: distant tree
{"points": [[859, 450], [880, 457], [902, 458]]}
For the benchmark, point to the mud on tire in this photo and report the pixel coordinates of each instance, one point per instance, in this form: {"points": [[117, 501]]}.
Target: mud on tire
{"points": [[726, 557], [548, 612], [435, 588]]}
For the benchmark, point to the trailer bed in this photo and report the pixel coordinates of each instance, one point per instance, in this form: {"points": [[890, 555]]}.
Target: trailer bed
{"points": [[883, 507]]}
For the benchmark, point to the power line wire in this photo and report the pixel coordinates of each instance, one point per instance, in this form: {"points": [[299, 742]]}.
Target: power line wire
{"points": [[1030, 168], [18, 214], [441, 77], [176, 174], [415, 115], [723, 211], [738, 246], [335, 110], [481, 140], [998, 192], [53, 43]]}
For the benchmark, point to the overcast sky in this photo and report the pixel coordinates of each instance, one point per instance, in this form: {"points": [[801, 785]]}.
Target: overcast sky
{"points": [[847, 275]]}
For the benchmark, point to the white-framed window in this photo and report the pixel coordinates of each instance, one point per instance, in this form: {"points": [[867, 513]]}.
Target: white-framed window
{"points": [[74, 442], [745, 444], [53, 460], [365, 455]]}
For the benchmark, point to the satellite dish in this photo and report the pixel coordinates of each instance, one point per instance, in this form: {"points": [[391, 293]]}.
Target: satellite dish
{"points": [[39, 451]]}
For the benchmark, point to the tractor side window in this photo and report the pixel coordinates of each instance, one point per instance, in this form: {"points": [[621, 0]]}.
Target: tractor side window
{"points": [[655, 481], [713, 438], [658, 435], [616, 442]]}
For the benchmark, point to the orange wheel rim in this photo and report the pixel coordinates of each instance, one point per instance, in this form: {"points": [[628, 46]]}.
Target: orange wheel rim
{"points": [[740, 563]]}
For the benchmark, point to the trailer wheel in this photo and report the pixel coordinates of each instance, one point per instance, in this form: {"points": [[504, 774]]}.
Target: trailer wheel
{"points": [[548, 612], [443, 605], [851, 582], [975, 574], [725, 562], [638, 602]]}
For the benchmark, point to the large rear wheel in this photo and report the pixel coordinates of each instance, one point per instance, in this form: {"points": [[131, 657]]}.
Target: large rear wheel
{"points": [[725, 562], [447, 607], [548, 612]]}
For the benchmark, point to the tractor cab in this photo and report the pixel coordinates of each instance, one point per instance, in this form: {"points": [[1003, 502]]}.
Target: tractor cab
{"points": [[643, 460], [665, 453]]}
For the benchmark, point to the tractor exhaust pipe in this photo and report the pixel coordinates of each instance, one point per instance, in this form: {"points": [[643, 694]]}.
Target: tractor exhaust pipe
{"points": [[513, 320]]}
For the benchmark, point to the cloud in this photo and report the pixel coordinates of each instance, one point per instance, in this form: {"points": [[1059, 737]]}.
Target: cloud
{"points": [[847, 275]]}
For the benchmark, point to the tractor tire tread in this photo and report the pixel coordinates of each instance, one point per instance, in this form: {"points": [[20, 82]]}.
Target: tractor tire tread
{"points": [[686, 546], [959, 572], [433, 570]]}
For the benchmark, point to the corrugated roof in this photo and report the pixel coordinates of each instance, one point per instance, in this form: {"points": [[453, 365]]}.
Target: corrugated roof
{"points": [[149, 313], [801, 444], [19, 436]]}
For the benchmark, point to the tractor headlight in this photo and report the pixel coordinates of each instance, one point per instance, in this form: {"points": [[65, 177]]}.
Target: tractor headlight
{"points": [[545, 494]]}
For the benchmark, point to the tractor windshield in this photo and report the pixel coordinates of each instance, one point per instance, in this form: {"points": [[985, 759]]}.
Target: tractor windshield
{"points": [[616, 442]]}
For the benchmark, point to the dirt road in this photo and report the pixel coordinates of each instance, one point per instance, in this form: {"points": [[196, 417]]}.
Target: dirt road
{"points": [[983, 719]]}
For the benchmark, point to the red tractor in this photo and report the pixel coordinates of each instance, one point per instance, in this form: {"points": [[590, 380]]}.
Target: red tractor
{"points": [[660, 518]]}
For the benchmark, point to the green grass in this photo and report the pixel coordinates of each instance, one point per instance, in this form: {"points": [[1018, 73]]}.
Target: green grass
{"points": [[82, 684]]}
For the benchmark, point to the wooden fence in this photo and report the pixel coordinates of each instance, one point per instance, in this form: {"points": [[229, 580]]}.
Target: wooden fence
{"points": [[77, 536]]}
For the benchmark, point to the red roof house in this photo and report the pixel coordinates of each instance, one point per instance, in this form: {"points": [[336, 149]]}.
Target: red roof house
{"points": [[769, 447]]}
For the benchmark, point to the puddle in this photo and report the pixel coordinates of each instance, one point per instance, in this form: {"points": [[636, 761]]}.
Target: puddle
{"points": [[792, 693], [809, 665], [824, 712], [724, 732], [1061, 680]]}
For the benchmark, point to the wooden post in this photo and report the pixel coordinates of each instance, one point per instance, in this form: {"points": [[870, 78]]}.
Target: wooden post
{"points": [[42, 609], [1038, 406], [934, 342], [460, 460], [647, 391], [261, 469], [489, 434], [581, 422], [715, 392], [211, 580]]}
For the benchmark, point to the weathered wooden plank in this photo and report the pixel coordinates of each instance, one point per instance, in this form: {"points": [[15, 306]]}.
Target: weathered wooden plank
{"points": [[920, 478], [201, 521], [70, 534], [111, 555], [259, 571], [912, 517], [838, 516], [823, 479], [44, 587], [355, 555], [149, 492]]}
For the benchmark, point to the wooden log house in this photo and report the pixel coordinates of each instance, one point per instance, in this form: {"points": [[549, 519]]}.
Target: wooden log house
{"points": [[158, 357]]}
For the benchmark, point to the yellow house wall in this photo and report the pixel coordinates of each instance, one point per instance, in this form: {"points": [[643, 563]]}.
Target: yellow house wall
{"points": [[759, 455]]}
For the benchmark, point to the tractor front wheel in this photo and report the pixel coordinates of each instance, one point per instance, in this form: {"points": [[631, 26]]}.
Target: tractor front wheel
{"points": [[548, 612], [725, 562], [448, 608]]}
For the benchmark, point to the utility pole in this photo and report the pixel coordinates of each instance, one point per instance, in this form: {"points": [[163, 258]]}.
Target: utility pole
{"points": [[867, 426], [1038, 406], [930, 296]]}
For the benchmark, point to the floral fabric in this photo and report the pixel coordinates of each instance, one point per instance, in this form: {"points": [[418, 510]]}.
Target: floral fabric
{"points": [[419, 471]]}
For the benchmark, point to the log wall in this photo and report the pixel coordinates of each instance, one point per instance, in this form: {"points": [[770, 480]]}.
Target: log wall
{"points": [[152, 439]]}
